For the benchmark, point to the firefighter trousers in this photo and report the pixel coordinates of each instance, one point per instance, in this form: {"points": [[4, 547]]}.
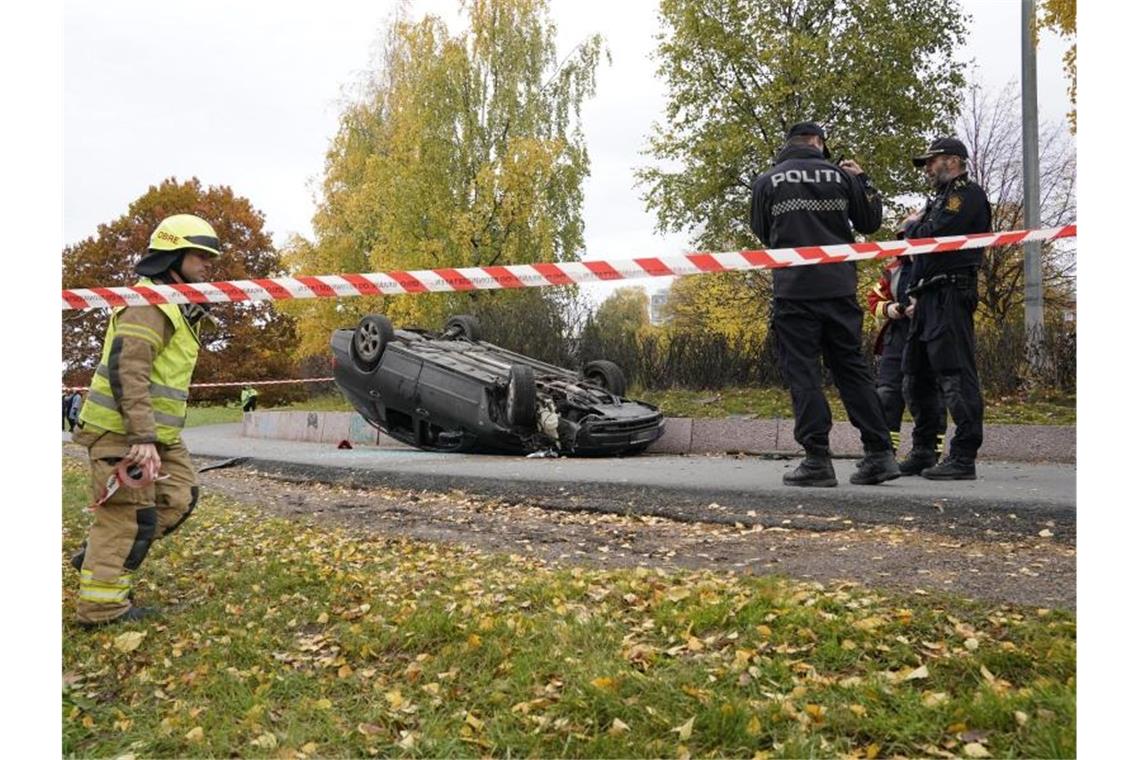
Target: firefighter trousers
{"points": [[125, 526]]}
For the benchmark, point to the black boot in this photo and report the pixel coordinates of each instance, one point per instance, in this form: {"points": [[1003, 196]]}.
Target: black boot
{"points": [[131, 615], [78, 557], [917, 461], [951, 468], [876, 467], [814, 470]]}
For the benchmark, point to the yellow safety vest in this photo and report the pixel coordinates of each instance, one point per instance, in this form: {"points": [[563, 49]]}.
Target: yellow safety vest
{"points": [[169, 376]]}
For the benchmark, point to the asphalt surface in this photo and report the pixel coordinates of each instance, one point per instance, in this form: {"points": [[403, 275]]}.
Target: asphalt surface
{"points": [[1008, 499]]}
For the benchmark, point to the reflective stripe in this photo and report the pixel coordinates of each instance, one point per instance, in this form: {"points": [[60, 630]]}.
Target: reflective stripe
{"points": [[160, 391], [92, 590], [143, 333], [169, 420], [161, 418]]}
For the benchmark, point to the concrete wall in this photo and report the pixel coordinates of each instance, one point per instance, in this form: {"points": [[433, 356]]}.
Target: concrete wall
{"points": [[1011, 443]]}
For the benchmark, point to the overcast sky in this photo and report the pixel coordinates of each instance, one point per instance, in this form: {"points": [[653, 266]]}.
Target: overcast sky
{"points": [[248, 94]]}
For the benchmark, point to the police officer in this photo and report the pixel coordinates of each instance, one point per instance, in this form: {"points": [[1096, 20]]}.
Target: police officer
{"points": [[940, 351], [807, 200]]}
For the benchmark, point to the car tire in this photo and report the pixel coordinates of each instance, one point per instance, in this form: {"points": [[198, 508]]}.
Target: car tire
{"points": [[464, 326], [607, 375], [522, 397], [369, 340]]}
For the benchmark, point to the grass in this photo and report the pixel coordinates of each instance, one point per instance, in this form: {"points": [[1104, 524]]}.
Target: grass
{"points": [[286, 639], [766, 403], [1041, 408]]}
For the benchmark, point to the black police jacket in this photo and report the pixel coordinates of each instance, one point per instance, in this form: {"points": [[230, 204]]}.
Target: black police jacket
{"points": [[807, 200], [959, 208]]}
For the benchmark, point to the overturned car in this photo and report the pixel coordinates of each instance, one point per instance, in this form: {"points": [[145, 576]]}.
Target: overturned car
{"points": [[451, 391]]}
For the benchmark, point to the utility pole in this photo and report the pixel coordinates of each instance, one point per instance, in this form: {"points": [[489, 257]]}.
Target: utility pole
{"points": [[1034, 301]]}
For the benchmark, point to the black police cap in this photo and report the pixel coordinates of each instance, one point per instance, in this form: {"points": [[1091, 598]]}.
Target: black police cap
{"points": [[943, 146], [807, 128]]}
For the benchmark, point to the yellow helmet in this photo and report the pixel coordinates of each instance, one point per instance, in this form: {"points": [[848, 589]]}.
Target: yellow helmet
{"points": [[184, 231], [172, 237]]}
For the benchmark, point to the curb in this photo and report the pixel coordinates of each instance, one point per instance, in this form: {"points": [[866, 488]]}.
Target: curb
{"points": [[683, 435]]}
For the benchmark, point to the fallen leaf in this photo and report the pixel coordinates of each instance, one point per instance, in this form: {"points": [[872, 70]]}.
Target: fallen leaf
{"points": [[395, 699], [972, 644], [934, 698], [474, 722], [754, 726], [195, 734], [368, 729], [265, 741], [323, 704], [685, 730], [917, 673], [408, 741], [1045, 533], [1021, 717], [872, 751], [323, 618], [858, 710], [618, 727], [345, 671], [973, 749], [309, 748], [130, 641], [603, 683]]}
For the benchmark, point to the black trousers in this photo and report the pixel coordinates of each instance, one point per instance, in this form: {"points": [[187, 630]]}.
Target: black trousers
{"points": [[831, 329], [250, 405], [940, 358], [889, 380]]}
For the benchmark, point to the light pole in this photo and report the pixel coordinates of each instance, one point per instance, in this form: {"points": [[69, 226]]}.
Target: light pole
{"points": [[1034, 301]]}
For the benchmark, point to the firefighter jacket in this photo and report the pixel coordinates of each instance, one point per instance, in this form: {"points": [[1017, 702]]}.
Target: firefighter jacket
{"points": [[143, 379], [805, 200], [960, 207], [891, 288]]}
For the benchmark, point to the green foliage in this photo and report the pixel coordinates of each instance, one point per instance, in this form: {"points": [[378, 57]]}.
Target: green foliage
{"points": [[467, 150], [1061, 17], [878, 75], [626, 311]]}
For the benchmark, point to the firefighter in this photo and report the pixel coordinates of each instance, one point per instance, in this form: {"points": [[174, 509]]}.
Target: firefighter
{"points": [[135, 411], [887, 303], [943, 295], [805, 200]]}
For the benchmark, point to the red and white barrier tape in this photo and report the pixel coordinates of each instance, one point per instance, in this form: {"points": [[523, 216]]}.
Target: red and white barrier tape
{"points": [[235, 384], [535, 275]]}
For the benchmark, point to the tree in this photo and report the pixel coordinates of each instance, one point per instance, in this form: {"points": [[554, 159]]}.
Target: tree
{"points": [[466, 150], [728, 304], [991, 129], [625, 312], [1061, 17], [879, 75], [250, 341]]}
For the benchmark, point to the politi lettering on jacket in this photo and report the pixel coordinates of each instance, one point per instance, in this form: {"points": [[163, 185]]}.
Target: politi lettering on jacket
{"points": [[806, 175]]}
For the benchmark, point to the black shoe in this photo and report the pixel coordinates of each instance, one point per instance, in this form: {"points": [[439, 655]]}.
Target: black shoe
{"points": [[78, 557], [917, 461], [814, 471], [130, 616], [876, 467], [951, 468]]}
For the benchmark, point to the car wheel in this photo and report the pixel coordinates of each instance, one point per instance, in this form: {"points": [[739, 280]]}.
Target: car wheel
{"points": [[607, 375], [463, 326], [522, 397], [370, 339]]}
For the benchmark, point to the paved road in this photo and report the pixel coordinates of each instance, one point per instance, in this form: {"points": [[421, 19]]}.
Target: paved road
{"points": [[1007, 499]]}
